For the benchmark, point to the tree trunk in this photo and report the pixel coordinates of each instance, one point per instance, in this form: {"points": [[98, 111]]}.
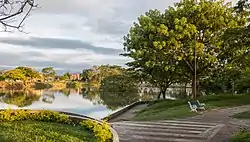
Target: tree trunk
{"points": [[159, 95], [198, 92], [185, 87], [193, 87], [164, 93]]}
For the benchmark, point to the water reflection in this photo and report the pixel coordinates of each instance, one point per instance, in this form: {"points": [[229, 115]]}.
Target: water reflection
{"points": [[20, 98], [86, 101]]}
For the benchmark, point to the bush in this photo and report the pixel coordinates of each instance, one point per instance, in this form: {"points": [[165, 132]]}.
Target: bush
{"points": [[101, 131], [43, 115]]}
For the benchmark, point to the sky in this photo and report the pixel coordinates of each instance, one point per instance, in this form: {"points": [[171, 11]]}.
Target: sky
{"points": [[72, 35]]}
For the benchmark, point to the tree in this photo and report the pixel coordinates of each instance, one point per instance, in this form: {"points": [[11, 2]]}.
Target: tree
{"points": [[15, 74], [117, 91], [11, 9], [29, 72], [85, 74], [65, 76], [98, 73], [190, 28], [49, 72]]}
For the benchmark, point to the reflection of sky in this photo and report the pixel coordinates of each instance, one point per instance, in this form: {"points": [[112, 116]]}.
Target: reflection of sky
{"points": [[73, 103]]}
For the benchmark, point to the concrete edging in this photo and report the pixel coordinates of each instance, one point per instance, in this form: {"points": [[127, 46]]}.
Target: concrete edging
{"points": [[124, 109], [79, 117]]}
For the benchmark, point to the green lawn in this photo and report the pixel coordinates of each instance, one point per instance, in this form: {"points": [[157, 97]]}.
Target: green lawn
{"points": [[243, 115], [35, 131], [171, 109], [241, 136]]}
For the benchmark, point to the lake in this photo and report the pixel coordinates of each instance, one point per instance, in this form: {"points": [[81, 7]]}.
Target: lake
{"points": [[83, 101]]}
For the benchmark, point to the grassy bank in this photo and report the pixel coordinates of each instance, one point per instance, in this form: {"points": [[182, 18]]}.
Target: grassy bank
{"points": [[243, 135], [49, 126], [171, 109], [242, 115], [31, 131]]}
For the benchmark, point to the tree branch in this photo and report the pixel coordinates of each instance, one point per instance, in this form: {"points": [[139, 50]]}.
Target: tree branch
{"points": [[11, 9]]}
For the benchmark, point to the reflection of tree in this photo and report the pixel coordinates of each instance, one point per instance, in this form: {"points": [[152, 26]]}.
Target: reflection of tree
{"points": [[119, 90], [92, 95], [20, 98], [65, 91], [115, 100], [48, 98]]}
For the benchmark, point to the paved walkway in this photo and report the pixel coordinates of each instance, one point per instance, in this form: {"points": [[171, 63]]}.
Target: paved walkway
{"points": [[223, 116], [165, 131], [212, 126]]}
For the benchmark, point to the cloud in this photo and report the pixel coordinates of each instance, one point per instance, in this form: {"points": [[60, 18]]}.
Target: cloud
{"points": [[63, 60], [109, 17], [74, 34], [56, 43]]}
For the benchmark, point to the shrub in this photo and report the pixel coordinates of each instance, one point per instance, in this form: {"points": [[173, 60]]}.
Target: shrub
{"points": [[43, 115], [101, 131]]}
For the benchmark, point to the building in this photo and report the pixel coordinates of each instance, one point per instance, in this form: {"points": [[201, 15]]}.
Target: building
{"points": [[75, 76]]}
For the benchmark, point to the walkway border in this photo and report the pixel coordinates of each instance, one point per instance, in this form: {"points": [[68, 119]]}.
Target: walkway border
{"points": [[79, 117], [128, 107], [124, 109]]}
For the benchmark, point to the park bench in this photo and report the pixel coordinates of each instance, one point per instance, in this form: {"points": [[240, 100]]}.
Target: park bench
{"points": [[196, 105]]}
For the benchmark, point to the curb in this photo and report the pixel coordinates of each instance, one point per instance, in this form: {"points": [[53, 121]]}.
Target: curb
{"points": [[124, 109]]}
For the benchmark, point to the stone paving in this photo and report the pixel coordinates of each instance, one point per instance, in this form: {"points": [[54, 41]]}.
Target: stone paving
{"points": [[165, 131], [211, 126]]}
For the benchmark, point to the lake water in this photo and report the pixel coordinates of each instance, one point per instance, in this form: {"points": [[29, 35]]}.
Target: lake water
{"points": [[91, 103]]}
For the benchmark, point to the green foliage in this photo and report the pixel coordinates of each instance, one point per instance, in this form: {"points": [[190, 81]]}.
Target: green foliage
{"points": [[74, 84], [119, 90], [20, 98], [241, 136], [15, 74], [101, 131], [124, 82], [166, 41], [42, 115], [172, 109], [98, 73], [29, 72], [65, 76], [49, 72]]}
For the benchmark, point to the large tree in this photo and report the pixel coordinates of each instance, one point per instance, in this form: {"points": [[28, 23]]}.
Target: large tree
{"points": [[189, 29], [14, 12], [49, 72]]}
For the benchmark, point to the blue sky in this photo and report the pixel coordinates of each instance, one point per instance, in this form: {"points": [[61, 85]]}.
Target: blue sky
{"points": [[74, 34]]}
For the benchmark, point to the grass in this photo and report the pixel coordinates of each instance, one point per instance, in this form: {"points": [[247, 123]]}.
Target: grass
{"points": [[242, 115], [172, 109], [241, 136], [35, 131]]}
